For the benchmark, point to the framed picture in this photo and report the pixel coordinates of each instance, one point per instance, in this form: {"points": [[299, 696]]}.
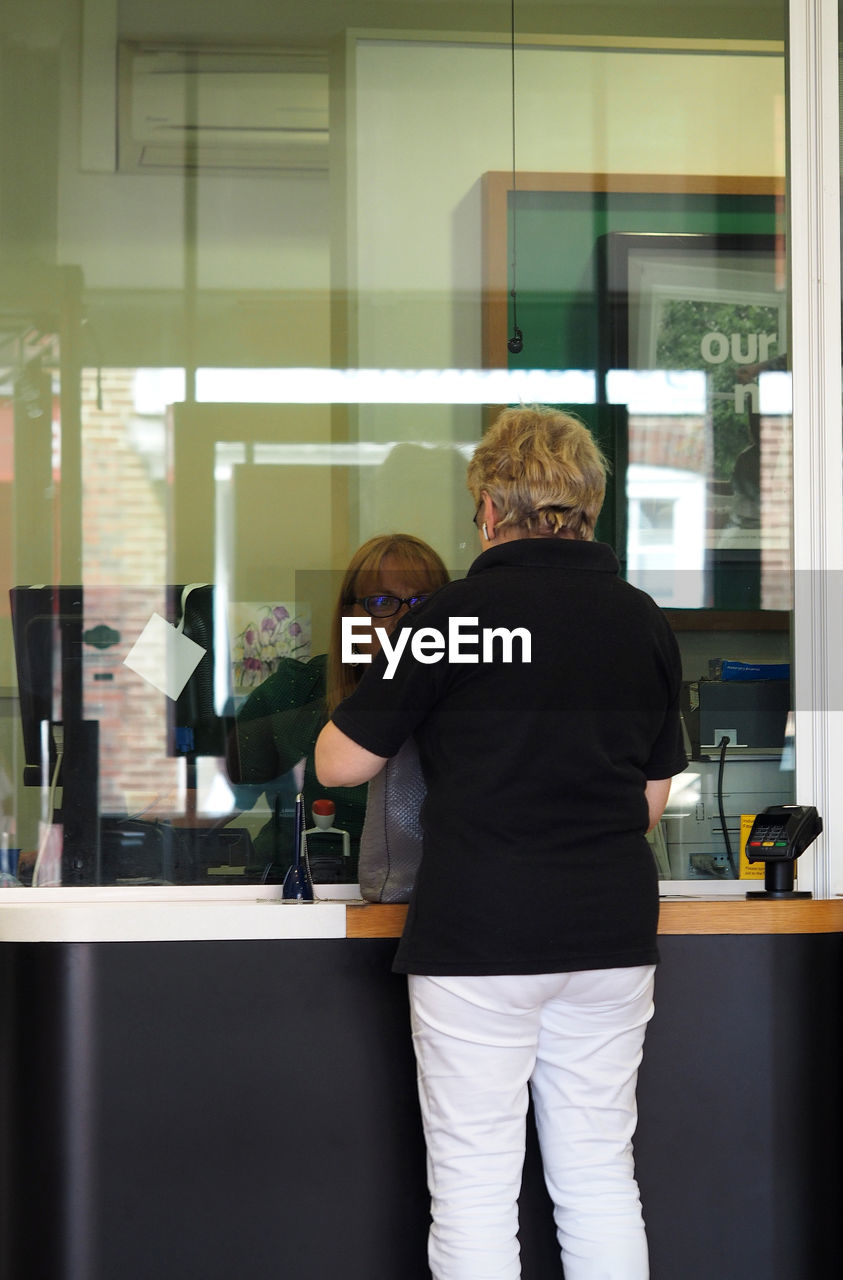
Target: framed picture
{"points": [[652, 284], [688, 324]]}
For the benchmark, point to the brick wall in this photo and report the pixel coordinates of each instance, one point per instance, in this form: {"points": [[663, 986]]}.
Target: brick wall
{"points": [[668, 442], [124, 574]]}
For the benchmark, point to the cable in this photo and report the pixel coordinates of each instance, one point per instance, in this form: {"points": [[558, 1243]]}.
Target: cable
{"points": [[723, 744], [516, 342]]}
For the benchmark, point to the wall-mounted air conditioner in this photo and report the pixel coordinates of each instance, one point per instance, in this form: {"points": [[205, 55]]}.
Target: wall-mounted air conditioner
{"points": [[221, 109]]}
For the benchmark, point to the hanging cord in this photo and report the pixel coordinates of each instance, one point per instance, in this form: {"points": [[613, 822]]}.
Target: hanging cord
{"points": [[516, 342], [723, 744]]}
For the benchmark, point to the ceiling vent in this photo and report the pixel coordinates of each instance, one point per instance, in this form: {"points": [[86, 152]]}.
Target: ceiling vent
{"points": [[259, 110]]}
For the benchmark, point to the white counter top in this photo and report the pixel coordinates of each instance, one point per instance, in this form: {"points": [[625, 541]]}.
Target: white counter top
{"points": [[163, 915]]}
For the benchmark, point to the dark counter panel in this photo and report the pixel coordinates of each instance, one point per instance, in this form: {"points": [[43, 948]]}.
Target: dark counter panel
{"points": [[214, 1110], [740, 1138], [248, 1109]]}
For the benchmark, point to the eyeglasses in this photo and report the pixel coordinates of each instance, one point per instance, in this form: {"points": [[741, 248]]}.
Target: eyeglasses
{"points": [[474, 517], [382, 606]]}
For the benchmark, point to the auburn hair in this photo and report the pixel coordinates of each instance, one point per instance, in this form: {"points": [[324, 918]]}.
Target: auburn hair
{"points": [[421, 566]]}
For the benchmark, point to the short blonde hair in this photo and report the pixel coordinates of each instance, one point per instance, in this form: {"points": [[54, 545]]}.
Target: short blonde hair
{"points": [[544, 472], [418, 563]]}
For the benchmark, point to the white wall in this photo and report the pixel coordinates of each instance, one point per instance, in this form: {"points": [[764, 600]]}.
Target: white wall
{"points": [[128, 231], [431, 119], [428, 119]]}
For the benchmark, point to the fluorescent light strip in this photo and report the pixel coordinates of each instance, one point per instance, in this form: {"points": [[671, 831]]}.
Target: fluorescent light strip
{"points": [[395, 386], [645, 392], [657, 391]]}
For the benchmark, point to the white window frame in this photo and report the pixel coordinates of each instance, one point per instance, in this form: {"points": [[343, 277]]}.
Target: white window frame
{"points": [[815, 350]]}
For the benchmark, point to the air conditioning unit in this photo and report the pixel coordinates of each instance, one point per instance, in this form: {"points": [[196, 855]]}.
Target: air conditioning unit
{"points": [[221, 109]]}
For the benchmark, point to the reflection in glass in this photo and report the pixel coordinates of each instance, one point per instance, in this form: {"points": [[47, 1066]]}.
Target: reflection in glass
{"points": [[263, 345], [714, 305]]}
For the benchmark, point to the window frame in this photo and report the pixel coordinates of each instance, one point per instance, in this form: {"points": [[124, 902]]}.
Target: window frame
{"points": [[814, 264]]}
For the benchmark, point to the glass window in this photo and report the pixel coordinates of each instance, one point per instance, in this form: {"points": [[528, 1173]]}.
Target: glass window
{"points": [[263, 264]]}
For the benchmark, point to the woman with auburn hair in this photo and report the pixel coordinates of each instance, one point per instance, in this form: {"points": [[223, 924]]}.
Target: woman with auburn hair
{"points": [[280, 721], [530, 941]]}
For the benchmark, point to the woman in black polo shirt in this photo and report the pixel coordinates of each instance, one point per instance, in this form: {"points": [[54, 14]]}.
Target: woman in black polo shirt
{"points": [[543, 694]]}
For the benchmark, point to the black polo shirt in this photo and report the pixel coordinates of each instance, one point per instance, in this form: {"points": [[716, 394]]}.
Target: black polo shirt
{"points": [[535, 857]]}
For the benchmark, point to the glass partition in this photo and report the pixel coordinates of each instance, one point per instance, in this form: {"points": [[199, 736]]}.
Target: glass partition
{"points": [[261, 268]]}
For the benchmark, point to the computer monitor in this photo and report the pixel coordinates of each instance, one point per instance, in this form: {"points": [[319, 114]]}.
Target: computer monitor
{"points": [[47, 626], [115, 730], [202, 715]]}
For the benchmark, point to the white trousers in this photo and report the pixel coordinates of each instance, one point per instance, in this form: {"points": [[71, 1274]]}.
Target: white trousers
{"points": [[575, 1040]]}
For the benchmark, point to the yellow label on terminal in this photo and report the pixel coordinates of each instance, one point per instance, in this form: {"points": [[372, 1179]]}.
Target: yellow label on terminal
{"points": [[749, 870]]}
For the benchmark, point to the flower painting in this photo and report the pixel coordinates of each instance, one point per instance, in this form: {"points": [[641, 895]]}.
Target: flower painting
{"points": [[263, 634]]}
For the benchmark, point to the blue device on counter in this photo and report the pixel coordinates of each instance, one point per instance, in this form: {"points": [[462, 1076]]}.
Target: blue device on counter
{"points": [[298, 885], [731, 670]]}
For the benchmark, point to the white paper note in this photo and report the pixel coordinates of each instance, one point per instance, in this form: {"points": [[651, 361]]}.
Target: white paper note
{"points": [[164, 656]]}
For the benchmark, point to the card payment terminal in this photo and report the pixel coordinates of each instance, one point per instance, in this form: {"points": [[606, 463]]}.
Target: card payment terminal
{"points": [[778, 836]]}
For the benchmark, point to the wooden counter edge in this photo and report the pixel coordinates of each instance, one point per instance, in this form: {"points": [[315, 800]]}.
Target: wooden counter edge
{"points": [[799, 915], [376, 920]]}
